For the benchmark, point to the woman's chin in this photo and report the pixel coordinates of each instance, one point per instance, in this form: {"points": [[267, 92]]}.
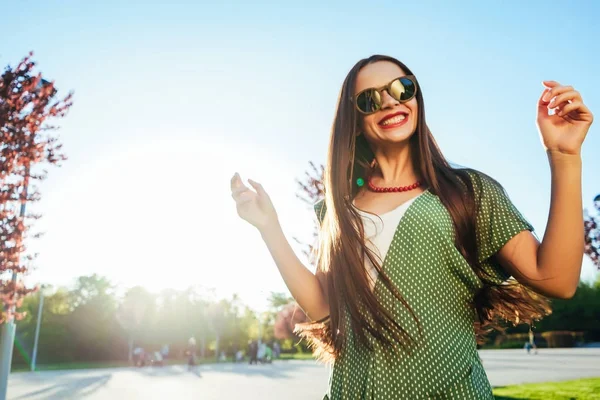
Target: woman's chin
{"points": [[396, 135]]}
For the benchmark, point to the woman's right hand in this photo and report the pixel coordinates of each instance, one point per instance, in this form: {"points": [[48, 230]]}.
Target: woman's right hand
{"points": [[255, 206]]}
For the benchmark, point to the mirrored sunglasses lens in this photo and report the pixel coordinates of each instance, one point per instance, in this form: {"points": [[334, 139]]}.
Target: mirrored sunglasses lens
{"points": [[369, 101], [402, 89]]}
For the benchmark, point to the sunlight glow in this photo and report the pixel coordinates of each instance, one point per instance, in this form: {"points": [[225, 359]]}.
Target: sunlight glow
{"points": [[160, 215]]}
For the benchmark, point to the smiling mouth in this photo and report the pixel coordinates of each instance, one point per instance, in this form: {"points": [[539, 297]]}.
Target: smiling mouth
{"points": [[393, 120]]}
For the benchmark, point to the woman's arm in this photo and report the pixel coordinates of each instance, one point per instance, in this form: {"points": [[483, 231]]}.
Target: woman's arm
{"points": [[552, 268], [301, 282], [255, 207]]}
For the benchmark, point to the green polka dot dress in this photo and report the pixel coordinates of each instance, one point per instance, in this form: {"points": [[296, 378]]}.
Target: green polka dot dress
{"points": [[438, 284]]}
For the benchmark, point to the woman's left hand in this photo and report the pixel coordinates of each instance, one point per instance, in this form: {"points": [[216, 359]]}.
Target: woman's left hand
{"points": [[565, 130]]}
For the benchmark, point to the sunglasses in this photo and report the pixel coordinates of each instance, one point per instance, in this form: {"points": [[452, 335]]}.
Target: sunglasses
{"points": [[401, 89]]}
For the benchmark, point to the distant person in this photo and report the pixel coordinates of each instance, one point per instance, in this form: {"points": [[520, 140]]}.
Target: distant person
{"points": [[253, 352], [158, 359], [138, 356], [268, 357], [239, 356], [532, 342], [191, 352], [164, 351], [276, 350], [416, 251], [261, 352]]}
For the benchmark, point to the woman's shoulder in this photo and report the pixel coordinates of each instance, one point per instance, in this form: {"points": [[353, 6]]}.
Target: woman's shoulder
{"points": [[481, 183], [477, 177]]}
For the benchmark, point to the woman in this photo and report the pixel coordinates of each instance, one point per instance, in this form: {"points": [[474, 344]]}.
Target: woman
{"points": [[415, 255]]}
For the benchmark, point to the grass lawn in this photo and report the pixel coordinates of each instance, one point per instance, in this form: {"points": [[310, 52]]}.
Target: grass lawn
{"points": [[296, 356], [579, 389], [71, 365]]}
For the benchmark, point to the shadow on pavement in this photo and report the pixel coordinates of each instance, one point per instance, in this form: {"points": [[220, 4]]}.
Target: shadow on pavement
{"points": [[277, 370], [172, 370], [68, 388]]}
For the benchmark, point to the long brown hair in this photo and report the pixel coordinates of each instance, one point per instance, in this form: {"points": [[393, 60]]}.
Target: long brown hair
{"points": [[342, 244]]}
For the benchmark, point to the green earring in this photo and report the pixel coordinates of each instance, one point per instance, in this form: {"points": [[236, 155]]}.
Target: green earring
{"points": [[360, 182]]}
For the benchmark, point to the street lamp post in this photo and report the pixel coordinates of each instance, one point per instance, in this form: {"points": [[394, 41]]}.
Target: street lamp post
{"points": [[37, 328], [7, 335]]}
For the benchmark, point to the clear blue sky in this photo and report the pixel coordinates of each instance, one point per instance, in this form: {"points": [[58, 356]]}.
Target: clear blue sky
{"points": [[171, 99]]}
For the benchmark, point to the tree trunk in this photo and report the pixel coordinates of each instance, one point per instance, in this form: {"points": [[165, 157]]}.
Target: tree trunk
{"points": [[217, 347], [202, 346], [130, 356]]}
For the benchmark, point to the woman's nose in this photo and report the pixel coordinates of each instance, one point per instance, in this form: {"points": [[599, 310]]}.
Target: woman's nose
{"points": [[388, 101]]}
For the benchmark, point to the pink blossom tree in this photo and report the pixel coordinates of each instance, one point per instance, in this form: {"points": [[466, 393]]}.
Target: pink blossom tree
{"points": [[27, 105]]}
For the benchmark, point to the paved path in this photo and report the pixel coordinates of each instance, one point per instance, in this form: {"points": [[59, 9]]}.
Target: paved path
{"points": [[290, 380], [510, 367]]}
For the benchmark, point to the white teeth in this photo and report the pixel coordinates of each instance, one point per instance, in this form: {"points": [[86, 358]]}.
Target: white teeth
{"points": [[395, 120]]}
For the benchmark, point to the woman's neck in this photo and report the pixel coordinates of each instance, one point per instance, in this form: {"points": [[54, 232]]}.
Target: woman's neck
{"points": [[395, 167]]}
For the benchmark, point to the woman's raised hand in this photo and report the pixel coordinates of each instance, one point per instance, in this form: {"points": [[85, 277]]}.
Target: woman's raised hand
{"points": [[253, 206]]}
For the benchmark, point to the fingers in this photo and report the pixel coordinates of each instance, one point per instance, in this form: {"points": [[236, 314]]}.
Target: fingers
{"points": [[569, 107], [258, 187], [561, 94], [574, 106], [542, 102], [566, 97], [240, 192], [546, 96], [243, 196], [236, 181], [557, 96], [564, 100], [549, 87], [550, 84], [237, 186], [555, 91]]}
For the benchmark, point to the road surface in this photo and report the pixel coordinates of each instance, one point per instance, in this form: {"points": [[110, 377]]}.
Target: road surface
{"points": [[290, 380]]}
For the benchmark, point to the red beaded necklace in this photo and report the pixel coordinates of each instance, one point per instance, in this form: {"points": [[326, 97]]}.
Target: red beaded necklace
{"points": [[377, 189]]}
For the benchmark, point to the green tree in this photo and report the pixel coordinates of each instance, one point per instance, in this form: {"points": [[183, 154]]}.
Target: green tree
{"points": [[131, 313], [277, 300], [88, 288], [54, 340], [92, 324], [580, 313], [238, 327]]}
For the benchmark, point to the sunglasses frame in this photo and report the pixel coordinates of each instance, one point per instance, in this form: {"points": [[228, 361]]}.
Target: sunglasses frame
{"points": [[386, 87]]}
